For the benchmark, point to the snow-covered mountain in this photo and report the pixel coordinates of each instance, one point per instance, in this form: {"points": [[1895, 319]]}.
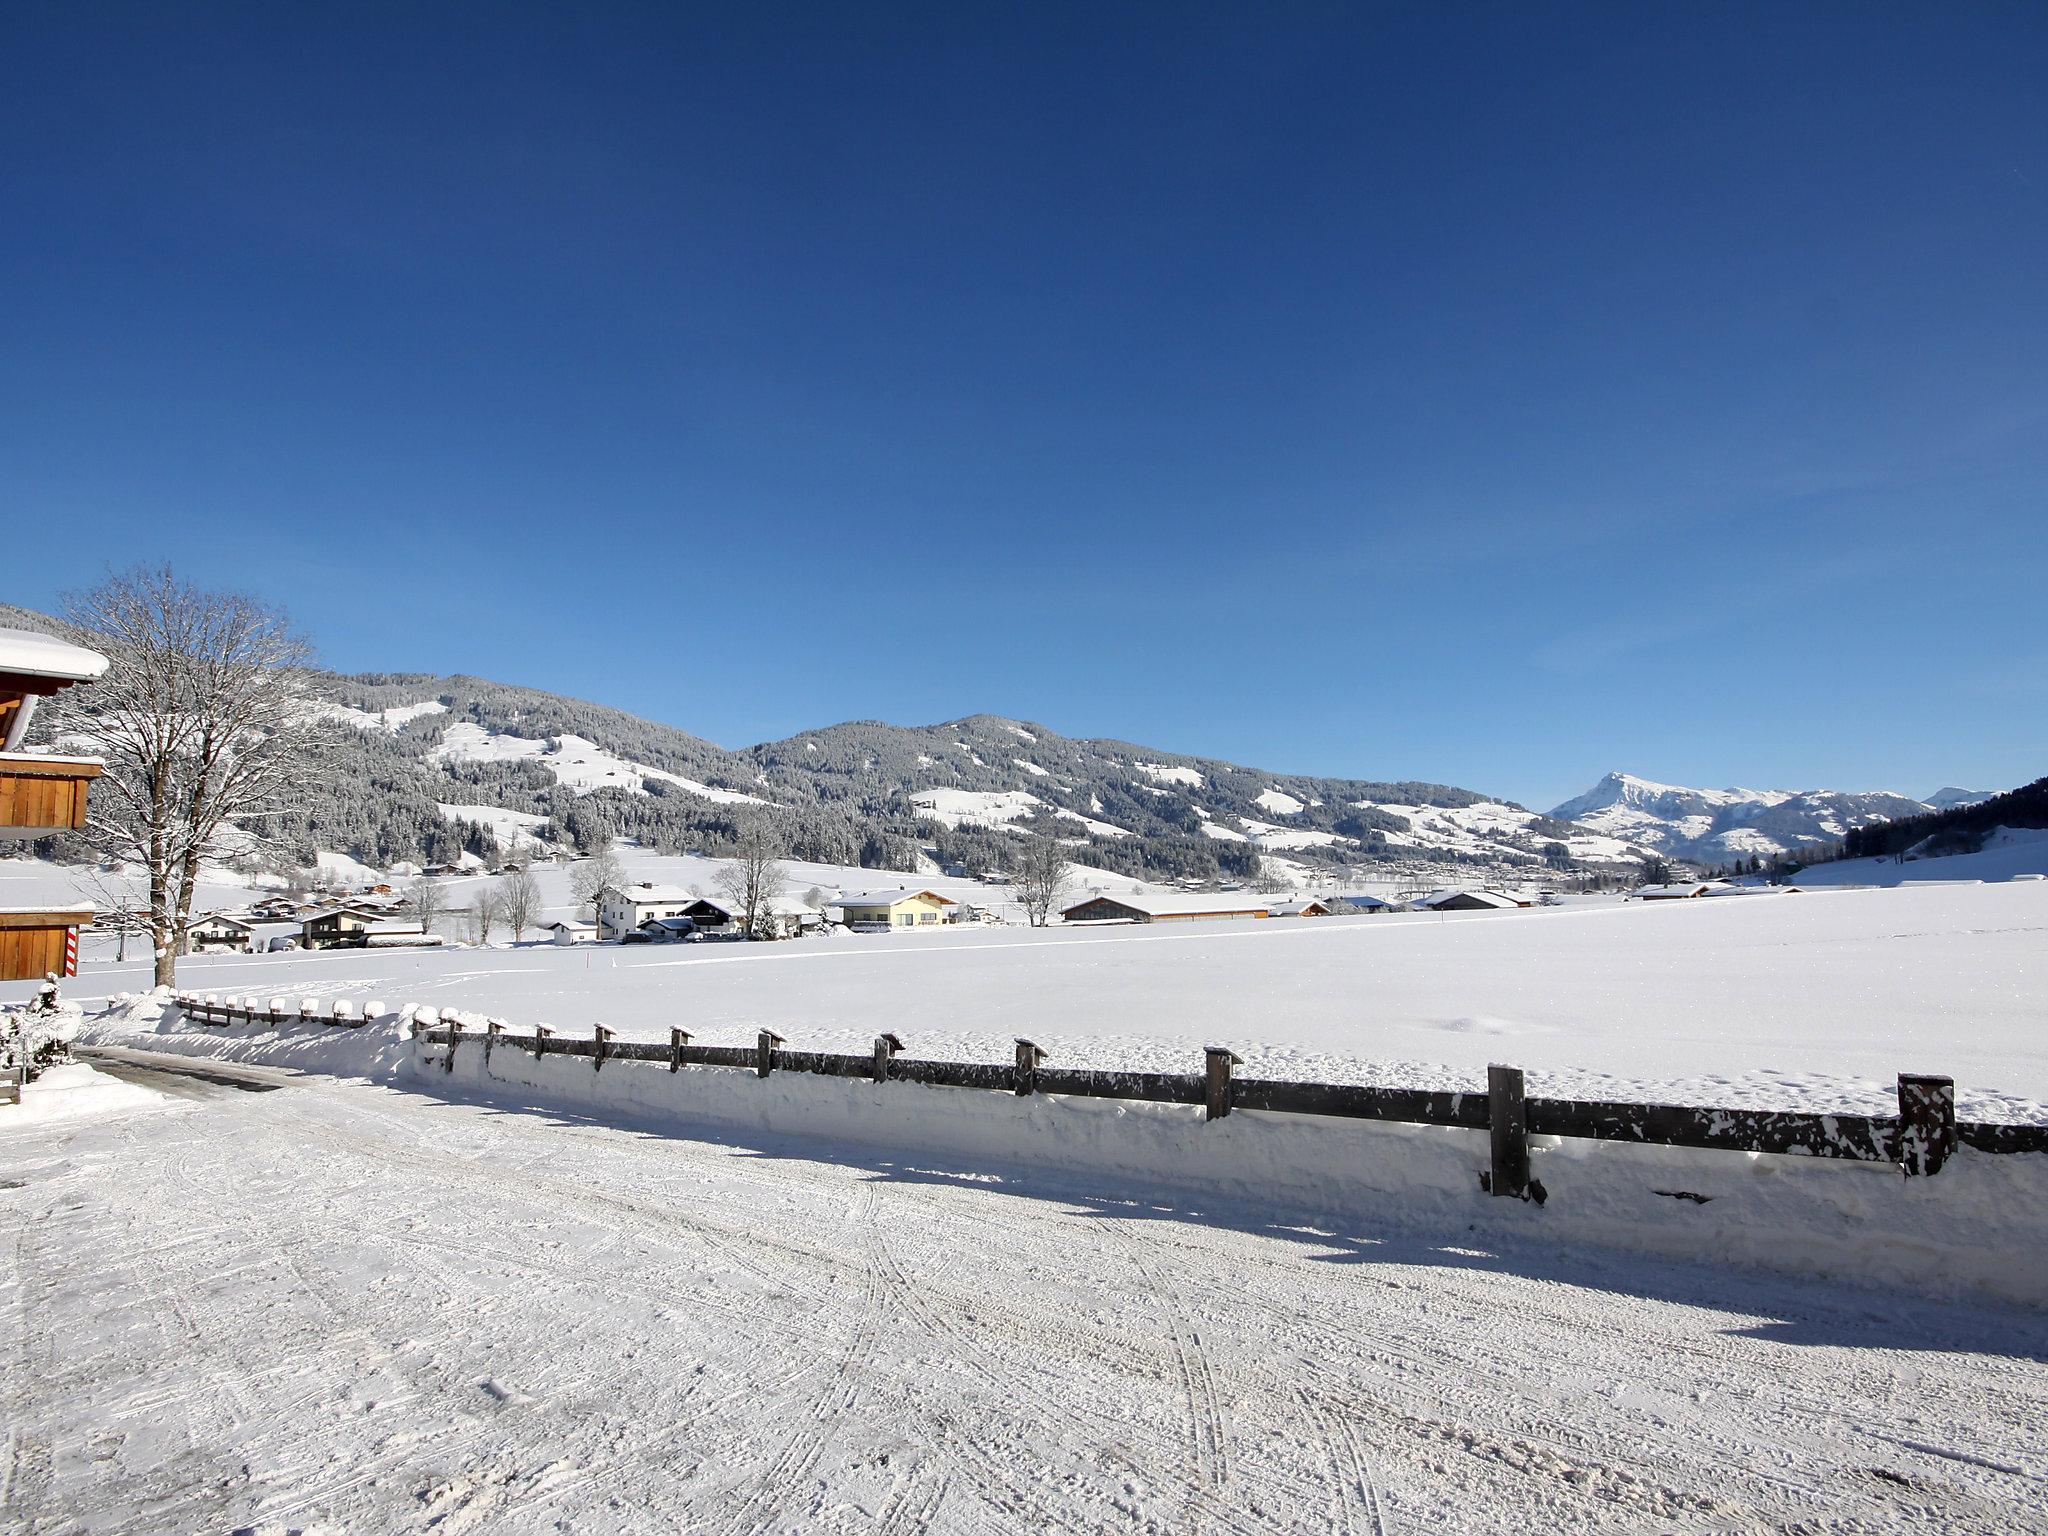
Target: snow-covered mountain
{"points": [[1948, 799], [1714, 826]]}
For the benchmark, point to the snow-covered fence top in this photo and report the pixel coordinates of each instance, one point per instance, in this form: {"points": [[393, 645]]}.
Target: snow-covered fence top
{"points": [[1918, 1139], [275, 1011]]}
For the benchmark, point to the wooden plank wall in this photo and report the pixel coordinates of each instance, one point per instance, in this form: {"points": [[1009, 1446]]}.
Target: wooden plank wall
{"points": [[42, 799], [27, 954]]}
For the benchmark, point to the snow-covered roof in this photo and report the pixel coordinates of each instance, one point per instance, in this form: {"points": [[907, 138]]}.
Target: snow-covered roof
{"points": [[885, 898], [220, 917], [1157, 904], [1484, 898], [1361, 899], [574, 925], [647, 893], [23, 650]]}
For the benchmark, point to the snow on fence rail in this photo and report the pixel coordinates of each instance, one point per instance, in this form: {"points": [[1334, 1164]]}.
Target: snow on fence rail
{"points": [[1919, 1139]]}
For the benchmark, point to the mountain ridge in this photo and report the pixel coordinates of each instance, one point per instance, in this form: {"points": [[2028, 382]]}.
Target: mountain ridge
{"points": [[1723, 826]]}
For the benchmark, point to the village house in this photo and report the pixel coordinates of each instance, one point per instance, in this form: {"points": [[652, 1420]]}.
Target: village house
{"points": [[1300, 906], [217, 934], [873, 911], [1156, 907], [1359, 901], [343, 928], [622, 909], [569, 931]]}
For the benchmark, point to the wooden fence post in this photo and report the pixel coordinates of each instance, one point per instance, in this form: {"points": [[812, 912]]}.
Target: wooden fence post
{"points": [[886, 1047], [1218, 1060], [492, 1030], [677, 1039], [1927, 1123], [764, 1052], [1510, 1121], [540, 1039], [454, 1039], [602, 1036], [1028, 1058]]}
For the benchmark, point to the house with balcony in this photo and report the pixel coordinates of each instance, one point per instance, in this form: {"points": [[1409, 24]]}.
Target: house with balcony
{"points": [[40, 793]]}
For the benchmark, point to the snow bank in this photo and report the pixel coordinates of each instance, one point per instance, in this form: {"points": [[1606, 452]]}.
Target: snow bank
{"points": [[1979, 1226], [152, 1021]]}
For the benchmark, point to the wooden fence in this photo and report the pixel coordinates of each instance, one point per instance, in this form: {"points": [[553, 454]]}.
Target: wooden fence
{"points": [[1918, 1139]]}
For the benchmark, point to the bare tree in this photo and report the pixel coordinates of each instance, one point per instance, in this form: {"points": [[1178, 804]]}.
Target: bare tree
{"points": [[752, 879], [206, 722], [1042, 877], [483, 916], [429, 901], [587, 881], [518, 896]]}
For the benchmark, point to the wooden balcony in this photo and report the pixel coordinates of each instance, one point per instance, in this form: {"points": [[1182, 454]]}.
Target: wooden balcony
{"points": [[41, 795]]}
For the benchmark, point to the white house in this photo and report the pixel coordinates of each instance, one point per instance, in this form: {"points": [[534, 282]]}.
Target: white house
{"points": [[218, 933], [622, 909], [571, 931]]}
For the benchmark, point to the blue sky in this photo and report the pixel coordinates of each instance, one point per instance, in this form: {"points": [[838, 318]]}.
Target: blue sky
{"points": [[1495, 396]]}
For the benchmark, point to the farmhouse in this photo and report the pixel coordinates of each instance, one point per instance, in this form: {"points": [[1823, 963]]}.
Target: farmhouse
{"points": [[343, 928], [1468, 901], [870, 911], [621, 910], [1151, 907], [219, 934]]}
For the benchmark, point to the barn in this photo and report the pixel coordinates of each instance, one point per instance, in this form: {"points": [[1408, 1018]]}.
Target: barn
{"points": [[1469, 901], [1146, 907]]}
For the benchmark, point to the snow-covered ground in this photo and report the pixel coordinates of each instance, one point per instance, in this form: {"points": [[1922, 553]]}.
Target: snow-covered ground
{"points": [[339, 1306], [1809, 1001], [2009, 853]]}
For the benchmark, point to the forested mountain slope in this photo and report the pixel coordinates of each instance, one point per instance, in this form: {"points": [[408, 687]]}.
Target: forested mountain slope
{"points": [[422, 768]]}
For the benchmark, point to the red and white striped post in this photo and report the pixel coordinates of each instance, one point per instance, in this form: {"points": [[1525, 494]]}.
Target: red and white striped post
{"points": [[70, 951]]}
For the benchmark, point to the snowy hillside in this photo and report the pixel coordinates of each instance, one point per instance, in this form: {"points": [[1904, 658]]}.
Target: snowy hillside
{"points": [[1713, 826]]}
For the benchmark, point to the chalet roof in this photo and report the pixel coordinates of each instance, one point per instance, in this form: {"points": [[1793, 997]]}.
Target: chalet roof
{"points": [[221, 917], [1177, 904], [885, 898], [574, 925], [24, 651]]}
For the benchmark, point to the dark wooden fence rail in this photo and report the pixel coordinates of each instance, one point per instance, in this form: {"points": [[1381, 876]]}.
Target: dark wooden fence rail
{"points": [[1918, 1139]]}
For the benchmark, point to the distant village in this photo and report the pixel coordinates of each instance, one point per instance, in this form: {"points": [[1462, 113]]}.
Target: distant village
{"points": [[380, 915]]}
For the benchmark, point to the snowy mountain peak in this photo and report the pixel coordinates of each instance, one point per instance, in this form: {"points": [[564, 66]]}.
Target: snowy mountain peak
{"points": [[1715, 826]]}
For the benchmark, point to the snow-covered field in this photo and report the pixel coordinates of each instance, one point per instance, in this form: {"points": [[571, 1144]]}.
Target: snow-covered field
{"points": [[342, 1307], [1816, 1000]]}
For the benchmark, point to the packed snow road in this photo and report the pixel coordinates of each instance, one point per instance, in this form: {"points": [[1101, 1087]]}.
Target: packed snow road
{"points": [[345, 1307]]}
